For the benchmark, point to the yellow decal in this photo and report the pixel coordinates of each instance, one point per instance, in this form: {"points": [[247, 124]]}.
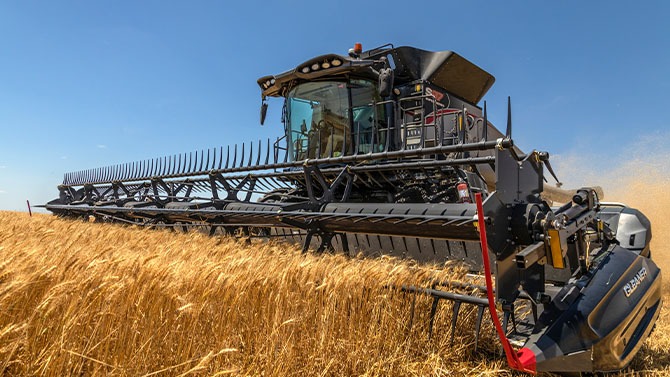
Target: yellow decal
{"points": [[556, 250]]}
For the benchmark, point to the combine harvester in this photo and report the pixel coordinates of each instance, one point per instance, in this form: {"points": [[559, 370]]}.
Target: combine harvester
{"points": [[387, 151]]}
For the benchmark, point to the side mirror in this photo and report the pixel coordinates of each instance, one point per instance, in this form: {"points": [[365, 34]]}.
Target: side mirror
{"points": [[385, 82], [264, 111]]}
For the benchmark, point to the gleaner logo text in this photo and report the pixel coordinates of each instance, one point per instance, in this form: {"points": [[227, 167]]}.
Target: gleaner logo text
{"points": [[632, 285]]}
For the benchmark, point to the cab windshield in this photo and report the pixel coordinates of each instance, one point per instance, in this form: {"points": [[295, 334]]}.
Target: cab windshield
{"points": [[333, 118]]}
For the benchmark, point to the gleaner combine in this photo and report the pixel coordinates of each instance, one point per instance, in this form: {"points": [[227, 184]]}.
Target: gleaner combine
{"points": [[387, 151]]}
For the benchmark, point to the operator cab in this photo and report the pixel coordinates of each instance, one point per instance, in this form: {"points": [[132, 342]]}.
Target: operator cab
{"points": [[332, 118], [381, 100]]}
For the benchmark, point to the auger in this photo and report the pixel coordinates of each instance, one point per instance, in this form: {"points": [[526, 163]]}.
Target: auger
{"points": [[386, 151]]}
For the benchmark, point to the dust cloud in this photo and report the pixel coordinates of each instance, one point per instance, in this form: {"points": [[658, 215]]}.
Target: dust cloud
{"points": [[637, 175]]}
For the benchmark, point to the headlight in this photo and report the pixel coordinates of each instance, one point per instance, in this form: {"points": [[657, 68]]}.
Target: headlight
{"points": [[315, 66], [336, 62], [325, 65], [305, 70]]}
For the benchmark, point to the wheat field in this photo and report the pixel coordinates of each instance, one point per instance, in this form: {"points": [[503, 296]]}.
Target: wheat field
{"points": [[86, 299]]}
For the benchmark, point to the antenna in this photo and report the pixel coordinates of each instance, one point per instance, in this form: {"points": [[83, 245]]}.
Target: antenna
{"points": [[508, 133], [485, 132]]}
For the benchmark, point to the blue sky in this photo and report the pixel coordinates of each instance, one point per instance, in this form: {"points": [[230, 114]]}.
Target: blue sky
{"points": [[85, 84]]}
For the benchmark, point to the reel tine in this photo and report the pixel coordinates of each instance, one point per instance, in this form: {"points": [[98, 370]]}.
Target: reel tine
{"points": [[251, 152], [179, 165], [258, 159], [227, 156], [478, 325], [267, 153], [151, 168], [213, 159], [433, 310], [234, 157], [206, 163], [454, 319], [220, 158], [202, 158], [190, 162]]}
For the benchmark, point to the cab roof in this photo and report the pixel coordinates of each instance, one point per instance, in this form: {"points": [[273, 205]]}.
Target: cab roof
{"points": [[445, 69]]}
